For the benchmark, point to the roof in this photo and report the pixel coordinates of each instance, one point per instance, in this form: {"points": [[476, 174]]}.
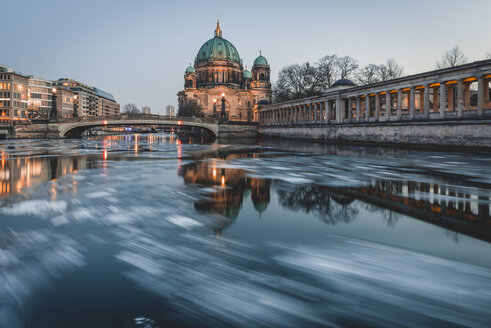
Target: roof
{"points": [[343, 82], [104, 94], [261, 61]]}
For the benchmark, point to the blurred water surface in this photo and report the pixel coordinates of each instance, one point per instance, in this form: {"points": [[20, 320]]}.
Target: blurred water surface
{"points": [[156, 230]]}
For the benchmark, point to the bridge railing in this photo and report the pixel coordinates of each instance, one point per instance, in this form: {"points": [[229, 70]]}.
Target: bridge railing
{"points": [[138, 117]]}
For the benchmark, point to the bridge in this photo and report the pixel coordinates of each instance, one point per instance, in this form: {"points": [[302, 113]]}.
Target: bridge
{"points": [[448, 106], [74, 127]]}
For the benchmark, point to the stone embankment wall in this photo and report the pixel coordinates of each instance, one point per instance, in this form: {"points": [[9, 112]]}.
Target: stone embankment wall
{"points": [[35, 131], [457, 134], [238, 131]]}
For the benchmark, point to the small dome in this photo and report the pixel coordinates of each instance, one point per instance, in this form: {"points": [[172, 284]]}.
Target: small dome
{"points": [[261, 61], [190, 69], [344, 83], [247, 74]]}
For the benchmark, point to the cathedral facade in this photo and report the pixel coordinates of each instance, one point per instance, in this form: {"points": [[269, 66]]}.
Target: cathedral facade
{"points": [[218, 79]]}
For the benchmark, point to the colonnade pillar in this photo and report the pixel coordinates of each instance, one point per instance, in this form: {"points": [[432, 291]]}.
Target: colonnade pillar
{"points": [[388, 105], [399, 103], [426, 104], [377, 106], [442, 100], [411, 103], [460, 97], [480, 96], [367, 107], [328, 111], [358, 108]]}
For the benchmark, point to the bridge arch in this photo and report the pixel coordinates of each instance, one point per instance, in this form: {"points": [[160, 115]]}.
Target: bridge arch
{"points": [[74, 129]]}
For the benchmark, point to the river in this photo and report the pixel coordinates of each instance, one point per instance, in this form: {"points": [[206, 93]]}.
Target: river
{"points": [[155, 230]]}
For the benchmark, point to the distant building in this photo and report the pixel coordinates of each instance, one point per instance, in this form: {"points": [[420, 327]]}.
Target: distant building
{"points": [[146, 110], [91, 101], [40, 97], [65, 102], [170, 111], [107, 103], [13, 95]]}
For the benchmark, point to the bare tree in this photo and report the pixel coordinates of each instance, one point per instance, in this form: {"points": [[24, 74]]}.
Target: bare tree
{"points": [[452, 58], [131, 109], [488, 55], [297, 81], [368, 74], [328, 70], [390, 70], [347, 66], [190, 108]]}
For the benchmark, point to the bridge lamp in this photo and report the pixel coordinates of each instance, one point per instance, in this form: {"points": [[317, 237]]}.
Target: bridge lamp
{"points": [[105, 122], [223, 114], [54, 90], [179, 123]]}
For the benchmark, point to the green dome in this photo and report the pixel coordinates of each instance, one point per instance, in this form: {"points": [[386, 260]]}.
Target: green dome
{"points": [[218, 49], [247, 74], [261, 61], [190, 69]]}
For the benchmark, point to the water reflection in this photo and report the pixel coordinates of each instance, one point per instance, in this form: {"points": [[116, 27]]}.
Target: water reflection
{"points": [[460, 208], [27, 163], [227, 188]]}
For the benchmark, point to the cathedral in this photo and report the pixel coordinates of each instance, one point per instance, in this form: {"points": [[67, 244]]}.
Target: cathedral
{"points": [[218, 79]]}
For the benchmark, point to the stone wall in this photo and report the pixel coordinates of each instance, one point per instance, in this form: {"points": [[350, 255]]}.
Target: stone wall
{"points": [[29, 130], [450, 133], [238, 130]]}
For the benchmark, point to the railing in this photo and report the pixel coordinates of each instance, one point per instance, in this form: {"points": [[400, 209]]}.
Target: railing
{"points": [[139, 117]]}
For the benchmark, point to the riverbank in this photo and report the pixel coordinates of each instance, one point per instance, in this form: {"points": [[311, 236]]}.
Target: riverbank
{"points": [[469, 134]]}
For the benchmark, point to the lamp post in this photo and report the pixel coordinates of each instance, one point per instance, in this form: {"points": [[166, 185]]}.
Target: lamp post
{"points": [[223, 116], [54, 112], [214, 108], [75, 106]]}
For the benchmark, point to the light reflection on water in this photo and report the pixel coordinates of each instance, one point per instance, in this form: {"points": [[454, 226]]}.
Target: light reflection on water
{"points": [[121, 231]]}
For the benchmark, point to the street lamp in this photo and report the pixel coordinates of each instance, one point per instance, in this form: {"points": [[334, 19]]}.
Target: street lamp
{"points": [[54, 112], [75, 106], [214, 108], [223, 116]]}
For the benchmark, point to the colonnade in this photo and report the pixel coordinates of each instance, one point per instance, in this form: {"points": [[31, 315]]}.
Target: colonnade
{"points": [[457, 94]]}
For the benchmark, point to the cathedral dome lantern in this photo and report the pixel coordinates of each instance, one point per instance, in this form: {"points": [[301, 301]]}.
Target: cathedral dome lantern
{"points": [[218, 49], [190, 70]]}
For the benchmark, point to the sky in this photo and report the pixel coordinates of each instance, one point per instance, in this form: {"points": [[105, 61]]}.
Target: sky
{"points": [[139, 50]]}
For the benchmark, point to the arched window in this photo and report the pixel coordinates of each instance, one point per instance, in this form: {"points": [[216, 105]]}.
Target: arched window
{"points": [[261, 76]]}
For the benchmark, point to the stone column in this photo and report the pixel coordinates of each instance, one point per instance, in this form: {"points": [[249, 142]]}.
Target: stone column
{"points": [[399, 104], [467, 96], [450, 97], [328, 111], [367, 107], [316, 108], [358, 108], [486, 93], [435, 100], [321, 113], [442, 100], [426, 103], [377, 106], [460, 97], [480, 96], [421, 101], [388, 105], [411, 103]]}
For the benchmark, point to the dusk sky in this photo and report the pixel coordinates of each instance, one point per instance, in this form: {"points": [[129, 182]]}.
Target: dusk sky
{"points": [[138, 50]]}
